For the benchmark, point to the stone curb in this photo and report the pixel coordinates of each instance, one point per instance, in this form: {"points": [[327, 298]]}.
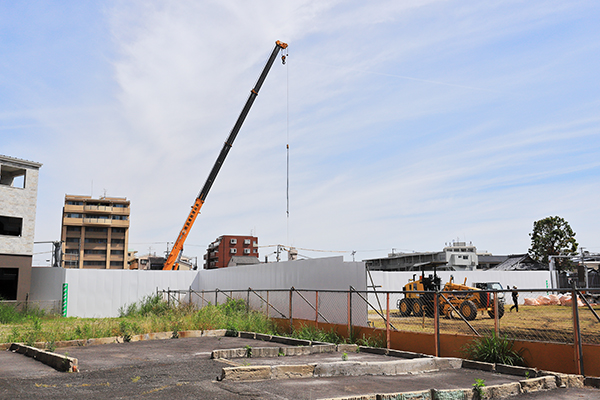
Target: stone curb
{"points": [[340, 368], [134, 338], [57, 361], [544, 383], [258, 352]]}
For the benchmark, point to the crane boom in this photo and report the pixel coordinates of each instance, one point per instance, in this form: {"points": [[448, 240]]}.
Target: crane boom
{"points": [[172, 262]]}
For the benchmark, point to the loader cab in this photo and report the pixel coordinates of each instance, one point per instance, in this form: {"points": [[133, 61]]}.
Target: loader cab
{"points": [[491, 286], [432, 282]]}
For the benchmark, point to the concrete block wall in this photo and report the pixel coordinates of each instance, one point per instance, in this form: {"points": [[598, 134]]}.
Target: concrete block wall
{"points": [[21, 203]]}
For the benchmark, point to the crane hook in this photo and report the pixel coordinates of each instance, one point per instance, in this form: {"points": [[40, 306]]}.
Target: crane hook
{"points": [[283, 59]]}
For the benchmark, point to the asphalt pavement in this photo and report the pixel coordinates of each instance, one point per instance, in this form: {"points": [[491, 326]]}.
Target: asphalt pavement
{"points": [[183, 369]]}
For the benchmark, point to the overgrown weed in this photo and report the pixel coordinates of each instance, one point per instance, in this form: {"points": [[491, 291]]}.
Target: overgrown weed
{"points": [[493, 349]]}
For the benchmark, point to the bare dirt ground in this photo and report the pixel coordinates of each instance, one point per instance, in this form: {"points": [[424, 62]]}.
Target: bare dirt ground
{"points": [[543, 323]]}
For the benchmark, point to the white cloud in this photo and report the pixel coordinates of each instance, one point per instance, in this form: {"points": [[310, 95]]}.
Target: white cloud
{"points": [[410, 123]]}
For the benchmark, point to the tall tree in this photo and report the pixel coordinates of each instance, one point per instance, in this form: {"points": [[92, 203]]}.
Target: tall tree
{"points": [[552, 236]]}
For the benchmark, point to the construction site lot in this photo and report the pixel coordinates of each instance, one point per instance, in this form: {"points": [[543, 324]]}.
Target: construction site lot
{"points": [[538, 323], [252, 366]]}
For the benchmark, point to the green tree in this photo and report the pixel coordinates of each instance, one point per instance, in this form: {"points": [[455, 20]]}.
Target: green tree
{"points": [[552, 236]]}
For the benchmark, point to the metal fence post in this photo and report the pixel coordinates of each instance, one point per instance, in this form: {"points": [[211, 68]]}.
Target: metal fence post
{"points": [[317, 308], [65, 295], [577, 331], [496, 316], [350, 314], [291, 317], [436, 323], [387, 319], [248, 301], [216, 297]]}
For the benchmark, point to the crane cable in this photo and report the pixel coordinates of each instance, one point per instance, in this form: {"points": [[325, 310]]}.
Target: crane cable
{"points": [[287, 146]]}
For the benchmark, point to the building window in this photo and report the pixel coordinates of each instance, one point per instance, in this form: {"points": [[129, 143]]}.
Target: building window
{"points": [[72, 240], [71, 251], [74, 203], [94, 252], [94, 263], [94, 229], [93, 240], [120, 217], [117, 241], [119, 205], [11, 226], [117, 252], [118, 230], [116, 263], [73, 215], [73, 229], [11, 176], [99, 216]]}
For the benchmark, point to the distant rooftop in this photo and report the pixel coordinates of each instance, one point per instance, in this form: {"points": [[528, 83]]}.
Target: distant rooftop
{"points": [[32, 164]]}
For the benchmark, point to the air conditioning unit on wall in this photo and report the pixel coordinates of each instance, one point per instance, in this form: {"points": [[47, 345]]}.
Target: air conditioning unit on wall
{"points": [[246, 251], [233, 251], [233, 241]]}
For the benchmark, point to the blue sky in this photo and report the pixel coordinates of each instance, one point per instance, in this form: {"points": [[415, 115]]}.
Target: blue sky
{"points": [[410, 124]]}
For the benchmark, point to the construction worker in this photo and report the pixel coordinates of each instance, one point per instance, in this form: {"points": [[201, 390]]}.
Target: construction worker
{"points": [[515, 298]]}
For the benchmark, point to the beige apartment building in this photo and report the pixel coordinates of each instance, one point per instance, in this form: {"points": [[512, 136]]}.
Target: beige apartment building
{"points": [[95, 232]]}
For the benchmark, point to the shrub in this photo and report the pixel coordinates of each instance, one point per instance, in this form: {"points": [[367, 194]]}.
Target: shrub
{"points": [[312, 333], [8, 313], [493, 349]]}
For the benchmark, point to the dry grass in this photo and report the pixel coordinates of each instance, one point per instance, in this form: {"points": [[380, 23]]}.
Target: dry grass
{"points": [[540, 323]]}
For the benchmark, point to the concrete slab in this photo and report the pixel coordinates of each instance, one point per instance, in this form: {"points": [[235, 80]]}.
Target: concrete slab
{"points": [[182, 368]]}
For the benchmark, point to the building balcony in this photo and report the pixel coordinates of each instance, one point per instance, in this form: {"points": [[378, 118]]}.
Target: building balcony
{"points": [[118, 223], [120, 210], [94, 246], [92, 208], [73, 208], [72, 221], [97, 221], [94, 257], [96, 235]]}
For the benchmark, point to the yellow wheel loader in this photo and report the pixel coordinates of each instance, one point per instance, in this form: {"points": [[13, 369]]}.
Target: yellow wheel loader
{"points": [[467, 300]]}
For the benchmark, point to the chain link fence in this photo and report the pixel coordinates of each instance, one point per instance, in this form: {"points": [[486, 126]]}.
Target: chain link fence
{"points": [[541, 315], [47, 306]]}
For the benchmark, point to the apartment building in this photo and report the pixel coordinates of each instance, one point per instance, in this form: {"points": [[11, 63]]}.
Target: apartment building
{"points": [[95, 232], [229, 250], [18, 202]]}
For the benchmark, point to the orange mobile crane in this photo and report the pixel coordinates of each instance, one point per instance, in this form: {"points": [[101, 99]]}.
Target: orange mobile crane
{"points": [[172, 262]]}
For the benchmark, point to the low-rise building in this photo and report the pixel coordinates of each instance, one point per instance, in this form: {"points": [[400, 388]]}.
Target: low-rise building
{"points": [[456, 256], [220, 252], [18, 201]]}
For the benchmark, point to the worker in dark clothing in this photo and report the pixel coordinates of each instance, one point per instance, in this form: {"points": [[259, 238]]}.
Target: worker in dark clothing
{"points": [[515, 297]]}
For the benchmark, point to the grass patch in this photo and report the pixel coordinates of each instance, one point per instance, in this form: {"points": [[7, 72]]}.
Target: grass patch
{"points": [[151, 314], [309, 332]]}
